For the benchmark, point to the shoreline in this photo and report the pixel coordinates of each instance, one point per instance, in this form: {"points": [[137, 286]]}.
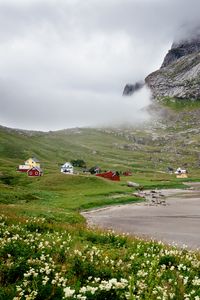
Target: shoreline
{"points": [[177, 222]]}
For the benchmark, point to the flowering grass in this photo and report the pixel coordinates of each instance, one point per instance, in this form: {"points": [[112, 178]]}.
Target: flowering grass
{"points": [[40, 260]]}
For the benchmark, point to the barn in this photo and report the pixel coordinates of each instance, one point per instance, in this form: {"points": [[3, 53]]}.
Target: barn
{"points": [[35, 171], [110, 175]]}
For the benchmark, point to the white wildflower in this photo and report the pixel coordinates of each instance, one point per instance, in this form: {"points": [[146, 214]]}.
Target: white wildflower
{"points": [[196, 281], [68, 292]]}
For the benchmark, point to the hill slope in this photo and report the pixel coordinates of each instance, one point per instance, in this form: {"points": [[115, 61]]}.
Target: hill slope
{"points": [[172, 138]]}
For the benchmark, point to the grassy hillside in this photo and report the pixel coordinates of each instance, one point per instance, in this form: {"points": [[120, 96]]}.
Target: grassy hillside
{"points": [[171, 139]]}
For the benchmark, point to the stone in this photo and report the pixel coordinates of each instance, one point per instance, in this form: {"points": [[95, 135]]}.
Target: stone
{"points": [[132, 184]]}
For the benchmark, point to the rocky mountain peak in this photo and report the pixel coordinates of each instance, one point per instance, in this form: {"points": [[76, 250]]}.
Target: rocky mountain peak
{"points": [[179, 75], [180, 49]]}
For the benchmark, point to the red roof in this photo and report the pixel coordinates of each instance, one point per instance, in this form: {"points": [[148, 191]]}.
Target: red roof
{"points": [[109, 175]]}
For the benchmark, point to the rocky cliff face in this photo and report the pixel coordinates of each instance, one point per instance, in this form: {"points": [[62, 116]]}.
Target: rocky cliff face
{"points": [[179, 75], [130, 89], [180, 49]]}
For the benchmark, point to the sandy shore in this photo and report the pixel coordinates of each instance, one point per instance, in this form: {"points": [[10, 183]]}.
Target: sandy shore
{"points": [[177, 222]]}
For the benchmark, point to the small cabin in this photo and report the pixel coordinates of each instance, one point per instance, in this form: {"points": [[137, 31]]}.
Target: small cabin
{"points": [[35, 171], [67, 168]]}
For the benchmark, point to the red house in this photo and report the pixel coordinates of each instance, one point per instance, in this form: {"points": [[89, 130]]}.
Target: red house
{"points": [[127, 173], [34, 171], [110, 175]]}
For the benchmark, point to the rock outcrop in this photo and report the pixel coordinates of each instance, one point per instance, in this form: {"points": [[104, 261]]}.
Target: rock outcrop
{"points": [[152, 197], [132, 88], [180, 49], [179, 75]]}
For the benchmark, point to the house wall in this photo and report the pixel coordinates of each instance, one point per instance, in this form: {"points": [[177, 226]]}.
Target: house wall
{"points": [[183, 175], [23, 168], [67, 168], [34, 173]]}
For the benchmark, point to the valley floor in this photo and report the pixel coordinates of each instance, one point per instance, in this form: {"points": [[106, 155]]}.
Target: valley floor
{"points": [[176, 222]]}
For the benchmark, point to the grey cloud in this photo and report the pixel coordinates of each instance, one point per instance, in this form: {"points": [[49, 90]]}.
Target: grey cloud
{"points": [[76, 56], [89, 108]]}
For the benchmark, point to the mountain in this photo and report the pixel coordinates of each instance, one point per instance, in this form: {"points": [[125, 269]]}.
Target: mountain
{"points": [[179, 75]]}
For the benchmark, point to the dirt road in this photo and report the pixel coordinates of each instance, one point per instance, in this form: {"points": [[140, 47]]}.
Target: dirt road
{"points": [[177, 222]]}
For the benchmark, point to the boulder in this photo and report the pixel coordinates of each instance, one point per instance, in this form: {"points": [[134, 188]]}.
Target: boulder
{"points": [[132, 184]]}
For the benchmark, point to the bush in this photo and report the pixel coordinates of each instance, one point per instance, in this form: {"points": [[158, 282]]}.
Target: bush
{"points": [[78, 163]]}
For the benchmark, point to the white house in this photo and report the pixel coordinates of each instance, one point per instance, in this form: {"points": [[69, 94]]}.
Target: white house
{"points": [[181, 171], [67, 168]]}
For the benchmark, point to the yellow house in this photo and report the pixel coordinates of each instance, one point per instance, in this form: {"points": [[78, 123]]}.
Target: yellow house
{"points": [[32, 162], [183, 175]]}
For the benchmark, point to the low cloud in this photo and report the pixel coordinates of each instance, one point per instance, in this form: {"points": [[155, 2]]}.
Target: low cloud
{"points": [[50, 110], [65, 63]]}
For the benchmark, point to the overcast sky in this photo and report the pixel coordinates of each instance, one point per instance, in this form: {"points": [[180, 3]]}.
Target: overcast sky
{"points": [[64, 63]]}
